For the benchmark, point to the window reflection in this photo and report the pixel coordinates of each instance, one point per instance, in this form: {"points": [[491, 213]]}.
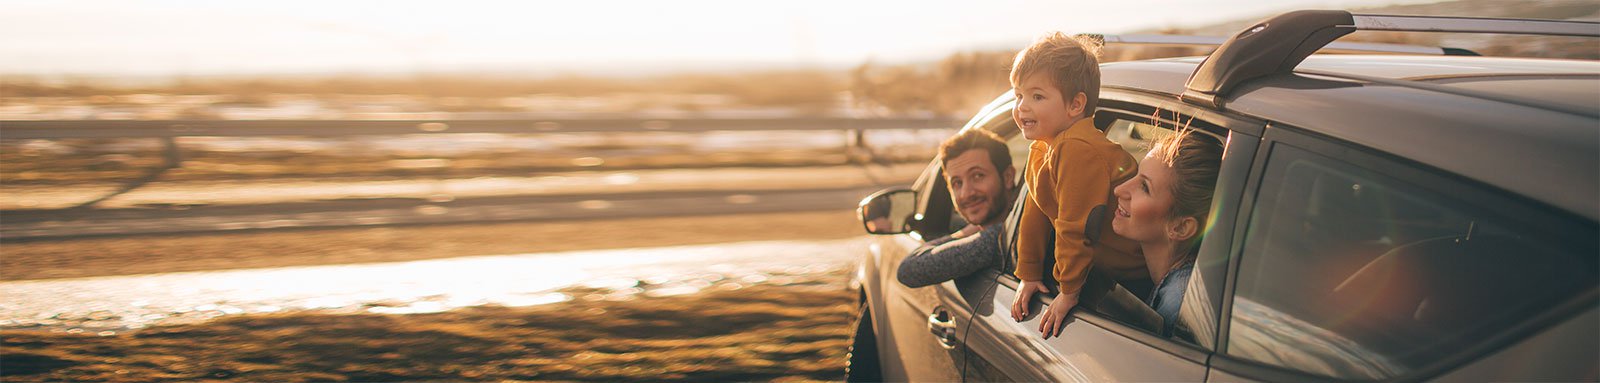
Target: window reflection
{"points": [[1350, 274]]}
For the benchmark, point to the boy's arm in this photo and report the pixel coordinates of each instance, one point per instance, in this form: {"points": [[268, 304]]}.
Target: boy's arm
{"points": [[1033, 232], [1083, 182]]}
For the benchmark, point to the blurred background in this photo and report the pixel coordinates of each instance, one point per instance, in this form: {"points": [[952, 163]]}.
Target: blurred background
{"points": [[495, 190]]}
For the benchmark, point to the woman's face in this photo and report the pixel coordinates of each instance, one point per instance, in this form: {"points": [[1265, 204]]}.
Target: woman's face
{"points": [[1144, 203]]}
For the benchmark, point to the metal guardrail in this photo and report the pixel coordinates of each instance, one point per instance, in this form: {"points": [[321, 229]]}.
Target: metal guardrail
{"points": [[58, 129], [169, 130]]}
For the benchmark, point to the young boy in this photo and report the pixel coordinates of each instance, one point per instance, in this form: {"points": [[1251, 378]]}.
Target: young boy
{"points": [[1070, 174]]}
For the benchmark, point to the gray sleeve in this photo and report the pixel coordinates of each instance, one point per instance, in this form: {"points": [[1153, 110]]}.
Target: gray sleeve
{"points": [[938, 261]]}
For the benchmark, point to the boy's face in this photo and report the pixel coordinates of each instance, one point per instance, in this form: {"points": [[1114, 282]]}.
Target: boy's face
{"points": [[1042, 111]]}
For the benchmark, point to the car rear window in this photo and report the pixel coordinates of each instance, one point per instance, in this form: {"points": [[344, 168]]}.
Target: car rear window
{"points": [[1351, 274]]}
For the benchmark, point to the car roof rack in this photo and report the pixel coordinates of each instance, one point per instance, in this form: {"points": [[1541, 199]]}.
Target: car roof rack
{"points": [[1280, 43], [1219, 40]]}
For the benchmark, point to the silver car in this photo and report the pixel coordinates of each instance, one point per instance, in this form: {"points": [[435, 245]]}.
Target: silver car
{"points": [[1377, 217]]}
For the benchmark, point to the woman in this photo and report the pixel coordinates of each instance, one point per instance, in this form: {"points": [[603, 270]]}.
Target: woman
{"points": [[1164, 209]]}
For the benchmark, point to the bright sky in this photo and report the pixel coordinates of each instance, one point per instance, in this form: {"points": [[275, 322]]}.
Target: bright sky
{"points": [[172, 37]]}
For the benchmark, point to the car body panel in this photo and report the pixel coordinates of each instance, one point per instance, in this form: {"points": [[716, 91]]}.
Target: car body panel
{"points": [[904, 327], [1005, 350], [1544, 155], [904, 332], [1541, 357], [1494, 126], [872, 285], [1164, 76]]}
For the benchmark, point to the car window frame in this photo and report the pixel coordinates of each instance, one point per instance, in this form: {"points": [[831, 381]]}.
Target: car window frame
{"points": [[928, 186], [922, 188], [1229, 128], [1231, 201], [1520, 210]]}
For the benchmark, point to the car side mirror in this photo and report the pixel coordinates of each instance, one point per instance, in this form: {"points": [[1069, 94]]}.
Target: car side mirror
{"points": [[888, 211]]}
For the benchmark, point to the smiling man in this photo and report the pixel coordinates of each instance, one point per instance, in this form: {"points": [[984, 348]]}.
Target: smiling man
{"points": [[978, 171]]}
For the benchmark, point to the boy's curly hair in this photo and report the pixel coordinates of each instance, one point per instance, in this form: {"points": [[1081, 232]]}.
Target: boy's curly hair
{"points": [[1073, 62]]}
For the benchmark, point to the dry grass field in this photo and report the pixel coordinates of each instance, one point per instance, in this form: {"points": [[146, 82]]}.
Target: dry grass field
{"points": [[763, 332], [790, 330]]}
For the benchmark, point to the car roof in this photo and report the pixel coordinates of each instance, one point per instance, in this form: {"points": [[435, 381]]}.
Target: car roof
{"points": [[1529, 126]]}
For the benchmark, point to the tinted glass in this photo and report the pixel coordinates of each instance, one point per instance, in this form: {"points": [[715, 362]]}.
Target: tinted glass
{"points": [[1351, 274], [1018, 145], [1134, 136], [934, 208]]}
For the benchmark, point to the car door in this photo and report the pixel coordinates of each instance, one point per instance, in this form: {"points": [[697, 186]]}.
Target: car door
{"points": [[919, 326], [1111, 336], [926, 325]]}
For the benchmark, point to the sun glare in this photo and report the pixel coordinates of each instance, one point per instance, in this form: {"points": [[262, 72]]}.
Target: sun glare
{"points": [[168, 37]]}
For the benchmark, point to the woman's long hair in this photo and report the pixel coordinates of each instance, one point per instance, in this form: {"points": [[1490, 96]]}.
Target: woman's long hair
{"points": [[1195, 159]]}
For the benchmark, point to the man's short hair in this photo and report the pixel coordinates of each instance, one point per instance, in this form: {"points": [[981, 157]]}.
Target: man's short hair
{"points": [[1070, 60], [999, 155]]}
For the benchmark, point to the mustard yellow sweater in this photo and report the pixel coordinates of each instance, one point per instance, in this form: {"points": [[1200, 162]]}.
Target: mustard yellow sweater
{"points": [[1068, 176]]}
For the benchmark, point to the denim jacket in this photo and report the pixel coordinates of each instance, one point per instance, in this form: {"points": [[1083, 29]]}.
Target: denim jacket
{"points": [[1168, 296]]}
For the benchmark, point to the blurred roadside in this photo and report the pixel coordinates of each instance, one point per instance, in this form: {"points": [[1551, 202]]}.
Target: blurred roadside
{"points": [[74, 187], [67, 187], [953, 86], [186, 195], [773, 310], [789, 332]]}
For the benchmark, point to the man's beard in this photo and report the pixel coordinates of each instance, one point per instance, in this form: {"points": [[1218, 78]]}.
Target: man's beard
{"points": [[997, 208]]}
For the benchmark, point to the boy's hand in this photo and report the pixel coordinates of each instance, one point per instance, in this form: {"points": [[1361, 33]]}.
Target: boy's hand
{"points": [[1019, 306], [1051, 321]]}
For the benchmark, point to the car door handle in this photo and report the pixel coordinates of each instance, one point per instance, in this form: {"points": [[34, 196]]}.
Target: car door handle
{"points": [[943, 327]]}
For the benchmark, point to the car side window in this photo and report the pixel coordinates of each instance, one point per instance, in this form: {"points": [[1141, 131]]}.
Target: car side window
{"points": [[1117, 301], [1135, 136], [1348, 273], [934, 209], [1018, 145]]}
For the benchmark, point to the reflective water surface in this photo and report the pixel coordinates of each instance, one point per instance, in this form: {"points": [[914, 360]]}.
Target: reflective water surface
{"points": [[105, 305]]}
